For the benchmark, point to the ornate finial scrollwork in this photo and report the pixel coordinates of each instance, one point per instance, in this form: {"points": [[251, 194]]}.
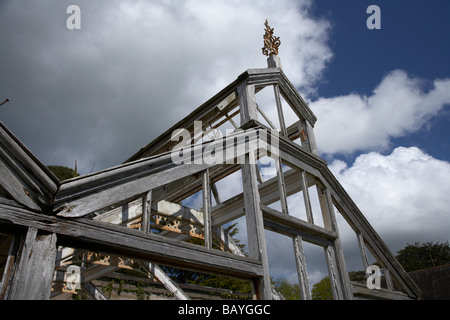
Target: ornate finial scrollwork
{"points": [[271, 43]]}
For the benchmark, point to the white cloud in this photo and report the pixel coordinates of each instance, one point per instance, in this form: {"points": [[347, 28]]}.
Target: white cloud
{"points": [[399, 105], [136, 61], [404, 195]]}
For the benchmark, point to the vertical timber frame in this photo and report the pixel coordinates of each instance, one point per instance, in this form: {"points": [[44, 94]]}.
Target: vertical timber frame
{"points": [[255, 223], [33, 276]]}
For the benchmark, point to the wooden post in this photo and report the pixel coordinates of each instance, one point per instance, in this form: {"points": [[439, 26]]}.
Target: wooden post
{"points": [[146, 211], [310, 139], [276, 91], [207, 209], [281, 186], [333, 273], [9, 266], [168, 283], [301, 268], [362, 249], [334, 252], [247, 102], [306, 198], [34, 274], [255, 225]]}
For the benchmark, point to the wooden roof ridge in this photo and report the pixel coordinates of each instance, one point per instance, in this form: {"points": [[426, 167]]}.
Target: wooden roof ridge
{"points": [[259, 77], [23, 176]]}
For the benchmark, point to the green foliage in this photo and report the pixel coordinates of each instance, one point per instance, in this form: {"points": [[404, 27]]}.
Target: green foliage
{"points": [[63, 173], [412, 257], [322, 290], [419, 256], [290, 291]]}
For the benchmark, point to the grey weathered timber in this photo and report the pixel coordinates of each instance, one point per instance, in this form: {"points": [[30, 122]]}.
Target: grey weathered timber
{"points": [[292, 226], [336, 285], [306, 198], [9, 266], [276, 90], [330, 223], [94, 291], [15, 187], [226, 100], [359, 223], [103, 211], [247, 102], [39, 187], [166, 281], [362, 249], [362, 292], [207, 209], [255, 226], [302, 271], [146, 211], [269, 193], [105, 237], [34, 274], [89, 193]]}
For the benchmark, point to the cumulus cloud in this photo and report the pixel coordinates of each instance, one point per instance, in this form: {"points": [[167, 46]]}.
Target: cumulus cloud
{"points": [[399, 105], [404, 195], [136, 67]]}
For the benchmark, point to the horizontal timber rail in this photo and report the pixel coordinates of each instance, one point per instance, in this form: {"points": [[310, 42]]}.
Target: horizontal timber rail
{"points": [[104, 237]]}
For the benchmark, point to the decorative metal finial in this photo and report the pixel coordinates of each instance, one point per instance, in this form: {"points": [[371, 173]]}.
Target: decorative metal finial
{"points": [[271, 43]]}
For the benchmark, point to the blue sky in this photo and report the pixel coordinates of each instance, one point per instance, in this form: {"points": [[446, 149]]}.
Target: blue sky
{"points": [[414, 36], [382, 97]]}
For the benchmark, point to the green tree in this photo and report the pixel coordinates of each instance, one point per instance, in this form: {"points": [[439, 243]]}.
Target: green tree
{"points": [[423, 255], [322, 290], [63, 173], [288, 290], [412, 257]]}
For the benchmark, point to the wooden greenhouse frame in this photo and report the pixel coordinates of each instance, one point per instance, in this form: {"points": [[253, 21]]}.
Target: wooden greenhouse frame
{"points": [[131, 216]]}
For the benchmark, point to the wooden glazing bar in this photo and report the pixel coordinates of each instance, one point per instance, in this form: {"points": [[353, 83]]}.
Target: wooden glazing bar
{"points": [[207, 209], [302, 271]]}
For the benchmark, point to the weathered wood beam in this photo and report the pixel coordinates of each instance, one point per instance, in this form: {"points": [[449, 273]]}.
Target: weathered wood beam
{"points": [[247, 102], [361, 291], [33, 277], [232, 208], [270, 76], [292, 226], [94, 291], [104, 237], [36, 180], [146, 205], [302, 271], [16, 187], [207, 232], [276, 91], [11, 261], [351, 213], [255, 225], [168, 283], [306, 197], [219, 105], [89, 193]]}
